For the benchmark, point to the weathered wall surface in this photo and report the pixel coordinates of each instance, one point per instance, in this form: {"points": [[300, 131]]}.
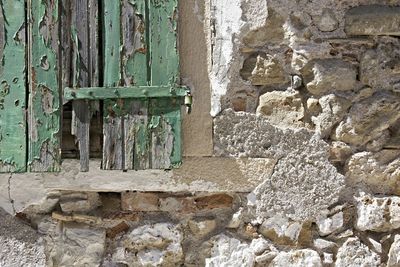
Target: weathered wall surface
{"points": [[292, 150]]}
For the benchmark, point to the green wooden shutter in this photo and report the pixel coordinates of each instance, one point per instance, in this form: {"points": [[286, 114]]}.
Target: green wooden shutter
{"points": [[130, 63], [12, 86], [142, 101]]}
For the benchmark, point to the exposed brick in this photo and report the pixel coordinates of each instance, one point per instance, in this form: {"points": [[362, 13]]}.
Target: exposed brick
{"points": [[216, 201]]}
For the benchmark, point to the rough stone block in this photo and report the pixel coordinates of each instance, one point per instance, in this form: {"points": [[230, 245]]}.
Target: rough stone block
{"points": [[353, 253], [294, 258], [79, 201], [394, 253], [136, 201], [214, 201], [202, 228], [329, 75], [373, 20], [282, 108], [331, 224], [378, 214]]}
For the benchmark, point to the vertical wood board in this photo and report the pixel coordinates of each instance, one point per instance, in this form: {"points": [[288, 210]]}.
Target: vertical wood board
{"points": [[44, 100], [12, 86]]}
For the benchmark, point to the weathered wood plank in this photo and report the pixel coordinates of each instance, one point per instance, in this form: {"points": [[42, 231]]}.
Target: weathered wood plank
{"points": [[164, 60], [98, 93], [135, 71], [113, 154], [44, 99], [165, 113], [12, 86], [81, 114]]}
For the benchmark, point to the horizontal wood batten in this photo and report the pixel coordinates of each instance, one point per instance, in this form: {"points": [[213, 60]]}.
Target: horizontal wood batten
{"points": [[98, 93]]}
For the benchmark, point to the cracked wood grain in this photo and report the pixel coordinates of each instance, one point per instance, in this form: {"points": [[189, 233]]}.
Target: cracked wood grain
{"points": [[44, 99]]}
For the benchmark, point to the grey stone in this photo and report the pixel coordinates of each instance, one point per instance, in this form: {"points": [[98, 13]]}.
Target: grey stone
{"points": [[327, 22], [329, 225], [324, 245], [378, 214], [367, 119], [334, 109], [299, 154], [353, 253], [297, 258], [394, 253], [329, 75], [282, 108], [380, 67], [20, 245], [75, 245], [373, 20]]}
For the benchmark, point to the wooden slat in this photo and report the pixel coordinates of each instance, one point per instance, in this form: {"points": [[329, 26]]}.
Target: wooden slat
{"points": [[165, 114], [44, 99], [135, 72], [12, 86], [81, 113], [97, 93], [113, 153]]}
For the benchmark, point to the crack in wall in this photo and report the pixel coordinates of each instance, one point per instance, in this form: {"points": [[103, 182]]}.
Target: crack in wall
{"points": [[9, 193]]}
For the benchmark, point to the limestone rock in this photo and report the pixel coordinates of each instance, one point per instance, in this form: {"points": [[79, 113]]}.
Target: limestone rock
{"points": [[329, 225], [76, 245], [202, 228], [79, 201], [284, 232], [300, 154], [328, 75], [324, 245], [229, 251], [282, 108], [379, 171], [353, 253], [137, 201], [368, 118], [379, 214], [373, 20], [334, 108], [268, 70], [380, 67], [151, 245], [327, 21], [394, 253], [339, 151], [297, 258]]}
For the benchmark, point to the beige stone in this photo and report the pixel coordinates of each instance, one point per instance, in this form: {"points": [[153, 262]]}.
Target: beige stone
{"points": [[203, 227], [282, 108], [367, 119], [79, 201], [137, 201], [353, 253], [373, 20], [268, 70], [379, 171], [329, 75], [339, 151]]}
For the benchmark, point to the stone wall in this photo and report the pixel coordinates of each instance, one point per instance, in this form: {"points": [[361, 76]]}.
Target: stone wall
{"points": [[300, 167]]}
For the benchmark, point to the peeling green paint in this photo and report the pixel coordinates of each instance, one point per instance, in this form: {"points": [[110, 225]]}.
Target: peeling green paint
{"points": [[44, 101], [12, 87]]}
